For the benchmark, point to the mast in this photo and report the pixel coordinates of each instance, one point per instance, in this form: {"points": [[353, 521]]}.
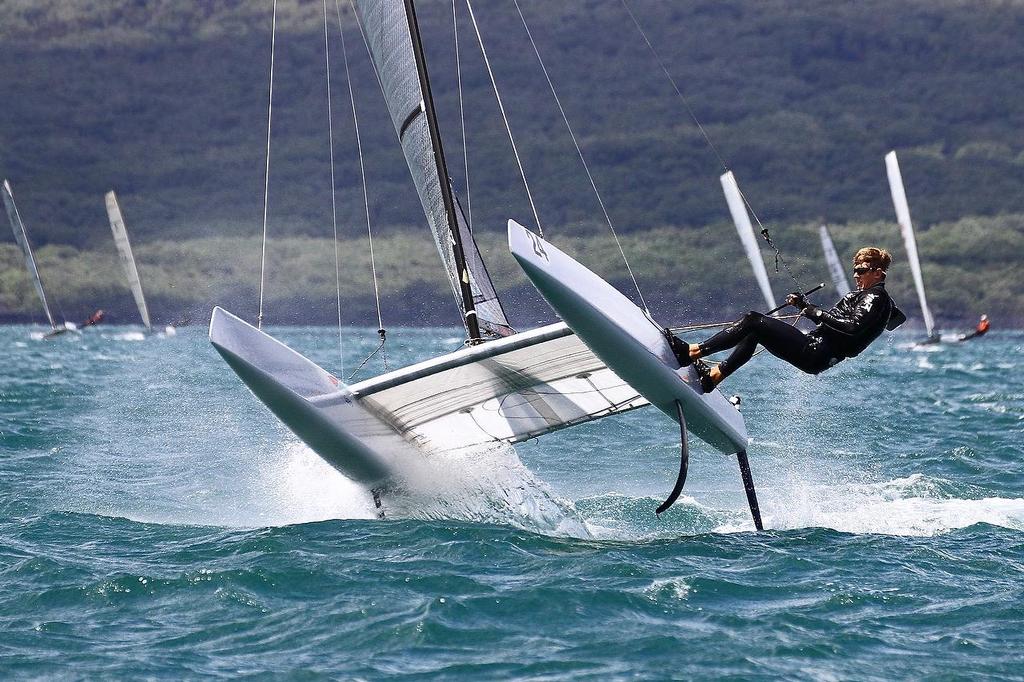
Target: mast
{"points": [[472, 325]]}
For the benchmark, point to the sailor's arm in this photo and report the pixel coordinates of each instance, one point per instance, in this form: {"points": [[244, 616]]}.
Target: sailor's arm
{"points": [[849, 321]]}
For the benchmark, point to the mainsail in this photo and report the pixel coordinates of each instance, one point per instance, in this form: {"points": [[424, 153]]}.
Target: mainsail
{"points": [[21, 237], [389, 27], [746, 231], [899, 201], [835, 265], [124, 250]]}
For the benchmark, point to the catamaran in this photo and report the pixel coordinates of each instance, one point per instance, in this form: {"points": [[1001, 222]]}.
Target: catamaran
{"points": [[21, 237], [124, 252], [899, 201], [835, 265], [504, 386]]}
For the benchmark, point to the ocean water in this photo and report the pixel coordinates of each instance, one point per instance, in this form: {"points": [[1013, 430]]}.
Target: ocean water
{"points": [[157, 522]]}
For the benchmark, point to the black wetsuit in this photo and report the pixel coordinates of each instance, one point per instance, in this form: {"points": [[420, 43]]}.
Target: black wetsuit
{"points": [[843, 332]]}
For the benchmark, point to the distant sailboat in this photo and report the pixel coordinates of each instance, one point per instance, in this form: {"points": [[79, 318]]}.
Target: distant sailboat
{"points": [[124, 250], [746, 231], [835, 265], [21, 236], [899, 201]]}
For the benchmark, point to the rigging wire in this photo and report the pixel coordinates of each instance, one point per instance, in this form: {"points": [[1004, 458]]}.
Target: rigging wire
{"points": [[501, 107], [381, 331], [462, 113], [266, 176], [378, 349], [334, 198], [707, 138], [579, 151]]}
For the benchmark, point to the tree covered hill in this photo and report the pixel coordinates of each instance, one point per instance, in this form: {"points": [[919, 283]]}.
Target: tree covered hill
{"points": [[167, 103]]}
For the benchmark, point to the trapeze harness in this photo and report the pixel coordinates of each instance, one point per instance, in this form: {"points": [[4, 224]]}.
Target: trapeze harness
{"points": [[843, 332]]}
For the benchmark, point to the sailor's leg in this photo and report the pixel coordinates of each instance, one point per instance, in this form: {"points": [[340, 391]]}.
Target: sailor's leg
{"points": [[788, 343], [739, 356], [731, 335], [778, 338]]}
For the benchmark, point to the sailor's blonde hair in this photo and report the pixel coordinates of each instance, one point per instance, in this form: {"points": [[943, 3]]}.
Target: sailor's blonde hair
{"points": [[873, 256]]}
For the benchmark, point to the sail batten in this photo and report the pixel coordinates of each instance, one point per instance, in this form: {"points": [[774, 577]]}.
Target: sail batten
{"points": [[899, 201], [21, 237], [388, 28], [835, 265]]}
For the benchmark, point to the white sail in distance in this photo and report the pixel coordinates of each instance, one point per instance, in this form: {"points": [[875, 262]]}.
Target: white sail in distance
{"points": [[21, 237], [741, 219], [835, 265], [387, 29], [124, 252], [899, 201]]}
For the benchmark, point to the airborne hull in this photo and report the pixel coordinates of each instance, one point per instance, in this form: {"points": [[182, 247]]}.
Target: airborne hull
{"points": [[627, 340], [310, 401]]}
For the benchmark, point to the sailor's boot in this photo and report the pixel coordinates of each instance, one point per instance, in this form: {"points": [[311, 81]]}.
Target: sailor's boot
{"points": [[680, 349]]}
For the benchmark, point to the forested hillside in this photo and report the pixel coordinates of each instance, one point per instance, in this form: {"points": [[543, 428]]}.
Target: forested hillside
{"points": [[167, 103]]}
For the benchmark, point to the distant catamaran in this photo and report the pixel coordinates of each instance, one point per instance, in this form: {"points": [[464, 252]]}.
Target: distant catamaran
{"points": [[21, 236], [124, 250], [899, 201], [741, 218], [835, 265]]}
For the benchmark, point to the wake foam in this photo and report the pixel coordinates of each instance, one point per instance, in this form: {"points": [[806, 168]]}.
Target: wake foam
{"points": [[125, 336], [483, 485], [915, 505], [488, 485], [301, 488]]}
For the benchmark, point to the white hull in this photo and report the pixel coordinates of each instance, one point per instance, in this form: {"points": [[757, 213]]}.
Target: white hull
{"points": [[311, 402], [629, 342]]}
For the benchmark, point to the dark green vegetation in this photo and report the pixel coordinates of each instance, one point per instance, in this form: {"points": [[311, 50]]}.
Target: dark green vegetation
{"points": [[166, 102]]}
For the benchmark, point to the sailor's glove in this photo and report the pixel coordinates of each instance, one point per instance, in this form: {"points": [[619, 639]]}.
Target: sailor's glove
{"points": [[796, 300]]}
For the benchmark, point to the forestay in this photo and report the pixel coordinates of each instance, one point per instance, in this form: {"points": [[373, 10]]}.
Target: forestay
{"points": [[386, 26], [835, 266], [741, 219], [899, 201], [124, 252], [21, 237]]}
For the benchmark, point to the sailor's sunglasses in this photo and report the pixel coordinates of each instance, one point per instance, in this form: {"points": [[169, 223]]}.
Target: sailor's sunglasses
{"points": [[863, 269]]}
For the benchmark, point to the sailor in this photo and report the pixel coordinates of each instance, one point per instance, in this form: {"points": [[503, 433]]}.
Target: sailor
{"points": [[979, 330], [842, 332], [95, 318]]}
